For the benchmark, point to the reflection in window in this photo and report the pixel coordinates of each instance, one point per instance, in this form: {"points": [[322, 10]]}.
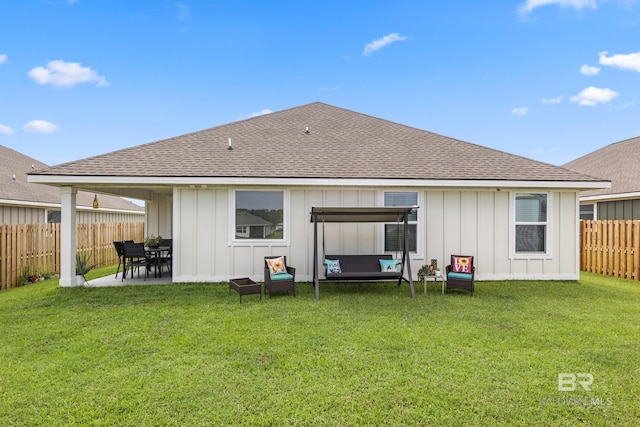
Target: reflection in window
{"points": [[586, 212], [54, 217], [531, 222], [259, 215]]}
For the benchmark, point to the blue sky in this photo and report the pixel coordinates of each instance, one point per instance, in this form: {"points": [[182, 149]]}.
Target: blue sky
{"points": [[547, 79]]}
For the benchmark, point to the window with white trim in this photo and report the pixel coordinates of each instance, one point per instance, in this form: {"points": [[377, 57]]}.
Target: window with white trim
{"points": [[393, 235], [531, 223], [259, 215]]}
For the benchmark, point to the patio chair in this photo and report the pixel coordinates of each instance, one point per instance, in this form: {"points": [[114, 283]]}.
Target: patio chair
{"points": [[278, 276], [135, 257], [119, 246], [461, 273], [165, 257]]}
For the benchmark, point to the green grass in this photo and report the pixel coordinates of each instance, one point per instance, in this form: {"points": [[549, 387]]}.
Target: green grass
{"points": [[190, 354]]}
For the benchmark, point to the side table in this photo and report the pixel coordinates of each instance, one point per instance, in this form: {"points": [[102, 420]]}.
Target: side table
{"points": [[435, 279], [245, 286]]}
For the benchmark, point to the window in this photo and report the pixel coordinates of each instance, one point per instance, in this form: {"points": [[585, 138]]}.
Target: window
{"points": [[393, 235], [586, 212], [54, 217], [259, 215], [531, 223]]}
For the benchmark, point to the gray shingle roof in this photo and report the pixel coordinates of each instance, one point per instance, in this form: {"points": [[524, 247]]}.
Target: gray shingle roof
{"points": [[618, 162], [19, 190], [340, 144]]}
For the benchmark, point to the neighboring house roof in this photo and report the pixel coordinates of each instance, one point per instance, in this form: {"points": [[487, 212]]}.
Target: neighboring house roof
{"points": [[18, 190], [339, 144], [618, 162], [244, 218]]}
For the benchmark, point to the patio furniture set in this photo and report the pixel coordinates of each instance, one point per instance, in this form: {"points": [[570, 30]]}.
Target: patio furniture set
{"points": [[132, 256], [280, 277]]}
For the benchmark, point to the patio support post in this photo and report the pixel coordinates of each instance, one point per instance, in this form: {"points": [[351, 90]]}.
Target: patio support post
{"points": [[406, 259], [315, 256], [68, 238]]}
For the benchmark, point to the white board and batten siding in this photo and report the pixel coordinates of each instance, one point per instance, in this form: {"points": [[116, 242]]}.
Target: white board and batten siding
{"points": [[475, 222]]}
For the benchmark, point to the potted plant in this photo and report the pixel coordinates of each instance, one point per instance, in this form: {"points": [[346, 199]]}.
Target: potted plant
{"points": [[83, 267], [425, 270], [152, 241]]}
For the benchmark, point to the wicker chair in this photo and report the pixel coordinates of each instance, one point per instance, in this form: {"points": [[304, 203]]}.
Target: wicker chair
{"points": [[461, 273], [279, 282]]}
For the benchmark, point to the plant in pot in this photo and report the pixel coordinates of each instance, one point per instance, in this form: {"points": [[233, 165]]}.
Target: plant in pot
{"points": [[152, 241], [83, 267], [425, 270]]}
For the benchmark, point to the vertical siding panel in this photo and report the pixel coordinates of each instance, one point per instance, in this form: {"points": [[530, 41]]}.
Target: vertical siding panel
{"points": [[188, 233], [313, 198], [298, 235], [452, 226], [501, 226], [369, 239], [205, 235], [223, 253], [469, 223], [486, 233], [435, 228]]}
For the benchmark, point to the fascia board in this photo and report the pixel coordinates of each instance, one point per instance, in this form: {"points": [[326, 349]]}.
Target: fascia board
{"points": [[58, 180]]}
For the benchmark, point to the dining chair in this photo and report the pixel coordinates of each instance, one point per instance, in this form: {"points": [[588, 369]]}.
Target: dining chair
{"points": [[135, 257]]}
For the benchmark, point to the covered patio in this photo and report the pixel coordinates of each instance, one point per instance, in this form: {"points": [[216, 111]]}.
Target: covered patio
{"points": [[112, 281]]}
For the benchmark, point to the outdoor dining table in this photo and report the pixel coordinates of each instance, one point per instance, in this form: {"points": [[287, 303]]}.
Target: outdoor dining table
{"points": [[156, 253]]}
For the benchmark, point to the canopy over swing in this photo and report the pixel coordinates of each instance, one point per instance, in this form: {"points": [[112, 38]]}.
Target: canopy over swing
{"points": [[397, 214]]}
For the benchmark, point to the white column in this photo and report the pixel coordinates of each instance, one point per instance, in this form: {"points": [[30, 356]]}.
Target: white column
{"points": [[68, 238]]}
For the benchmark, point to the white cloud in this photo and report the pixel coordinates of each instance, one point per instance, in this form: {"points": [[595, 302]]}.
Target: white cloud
{"points": [[630, 61], [588, 70], [184, 11], [3, 58], [382, 42], [5, 130], [65, 74], [556, 100], [40, 126], [592, 96], [261, 112], [520, 111], [529, 5]]}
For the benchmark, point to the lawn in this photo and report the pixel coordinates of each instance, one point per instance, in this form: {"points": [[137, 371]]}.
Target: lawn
{"points": [[365, 354]]}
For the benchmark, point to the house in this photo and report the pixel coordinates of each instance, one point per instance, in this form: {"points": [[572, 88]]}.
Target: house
{"points": [[251, 226], [22, 202], [519, 217], [620, 163]]}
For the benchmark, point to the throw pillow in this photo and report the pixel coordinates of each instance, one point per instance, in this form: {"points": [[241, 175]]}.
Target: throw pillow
{"points": [[276, 265], [333, 266], [389, 265], [461, 264]]}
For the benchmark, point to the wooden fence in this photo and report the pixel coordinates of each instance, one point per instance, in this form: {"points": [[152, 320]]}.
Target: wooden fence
{"points": [[34, 249], [611, 248]]}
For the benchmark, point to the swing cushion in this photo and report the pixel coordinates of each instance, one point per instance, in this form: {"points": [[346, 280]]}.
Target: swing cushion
{"points": [[389, 265], [362, 267], [333, 266]]}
